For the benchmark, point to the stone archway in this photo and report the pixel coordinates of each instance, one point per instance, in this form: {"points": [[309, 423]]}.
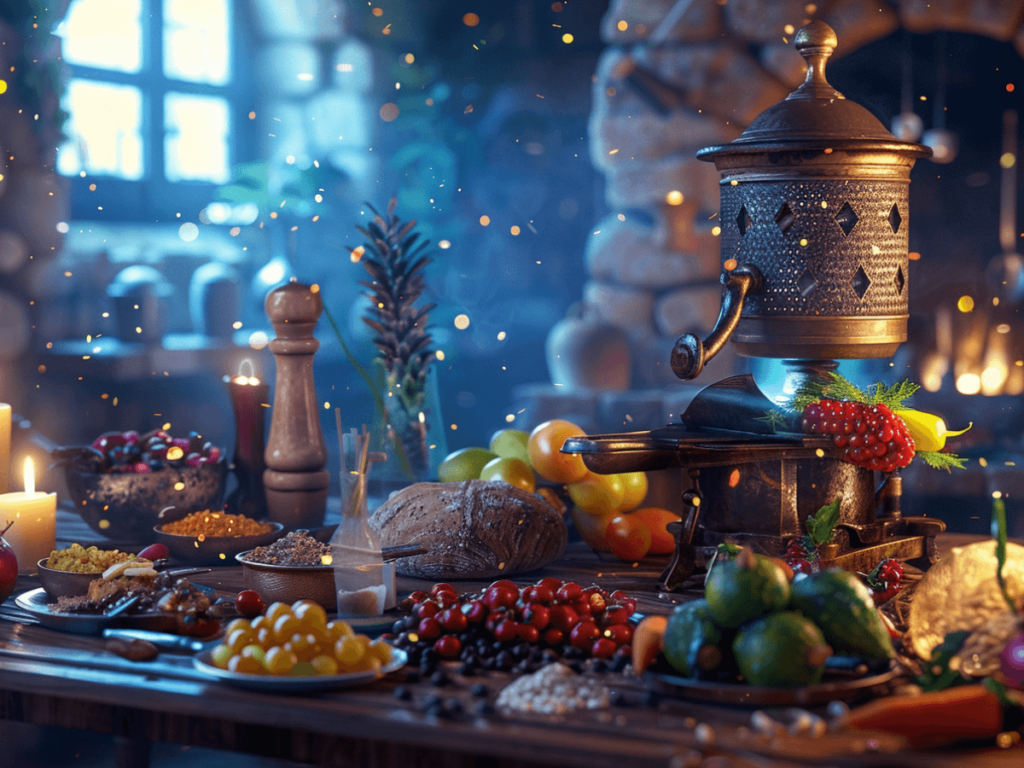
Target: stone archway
{"points": [[660, 94]]}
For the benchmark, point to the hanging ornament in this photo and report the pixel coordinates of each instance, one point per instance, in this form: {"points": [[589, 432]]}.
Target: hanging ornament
{"points": [[944, 143], [907, 126]]}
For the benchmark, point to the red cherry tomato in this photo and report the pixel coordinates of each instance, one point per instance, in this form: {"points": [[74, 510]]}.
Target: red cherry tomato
{"points": [[584, 634], [537, 616], [429, 628], [506, 630], [569, 592], [448, 647], [603, 648], [550, 582], [628, 537], [419, 596], [249, 603], [475, 611], [528, 633], [562, 617], [427, 609], [554, 636], [442, 587], [620, 634], [452, 620]]}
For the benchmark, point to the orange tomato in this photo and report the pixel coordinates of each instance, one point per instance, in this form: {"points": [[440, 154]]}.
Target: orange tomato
{"points": [[592, 528], [628, 537], [662, 542], [544, 446]]}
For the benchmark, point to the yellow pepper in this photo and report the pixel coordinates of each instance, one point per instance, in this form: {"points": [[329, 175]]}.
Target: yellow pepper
{"points": [[928, 430]]}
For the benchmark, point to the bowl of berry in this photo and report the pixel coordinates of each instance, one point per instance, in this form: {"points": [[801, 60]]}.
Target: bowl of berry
{"points": [[125, 483]]}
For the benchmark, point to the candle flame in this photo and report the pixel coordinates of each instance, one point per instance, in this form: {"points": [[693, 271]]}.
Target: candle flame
{"points": [[241, 369], [30, 477]]}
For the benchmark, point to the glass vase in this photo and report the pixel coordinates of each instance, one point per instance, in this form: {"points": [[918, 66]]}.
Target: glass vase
{"points": [[413, 438]]}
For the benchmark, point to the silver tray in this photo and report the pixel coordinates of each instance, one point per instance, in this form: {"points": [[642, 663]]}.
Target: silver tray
{"points": [[40, 606], [286, 684], [841, 688]]}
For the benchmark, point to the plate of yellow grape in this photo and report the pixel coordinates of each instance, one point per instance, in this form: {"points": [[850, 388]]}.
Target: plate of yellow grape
{"points": [[294, 648]]}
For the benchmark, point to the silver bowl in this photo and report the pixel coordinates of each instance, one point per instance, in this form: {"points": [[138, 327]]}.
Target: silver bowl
{"points": [[213, 550]]}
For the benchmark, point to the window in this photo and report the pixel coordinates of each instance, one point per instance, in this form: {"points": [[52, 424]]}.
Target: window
{"points": [[153, 101]]}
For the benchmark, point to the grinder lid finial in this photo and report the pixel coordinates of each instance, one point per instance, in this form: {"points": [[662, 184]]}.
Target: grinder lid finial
{"points": [[815, 42]]}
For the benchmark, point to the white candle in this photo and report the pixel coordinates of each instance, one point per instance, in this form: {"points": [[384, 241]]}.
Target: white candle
{"points": [[5, 445], [34, 533]]}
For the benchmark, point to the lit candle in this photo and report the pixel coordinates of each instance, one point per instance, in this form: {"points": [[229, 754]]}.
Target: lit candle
{"points": [[34, 533], [5, 445]]}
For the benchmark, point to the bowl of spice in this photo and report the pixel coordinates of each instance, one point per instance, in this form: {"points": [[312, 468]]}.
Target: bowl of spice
{"points": [[69, 572], [295, 567], [211, 538]]}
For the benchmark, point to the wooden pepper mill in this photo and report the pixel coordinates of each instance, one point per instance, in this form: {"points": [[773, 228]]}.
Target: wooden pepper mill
{"points": [[295, 480]]}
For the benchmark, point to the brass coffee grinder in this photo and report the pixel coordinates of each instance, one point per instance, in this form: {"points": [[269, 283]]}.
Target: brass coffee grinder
{"points": [[814, 214]]}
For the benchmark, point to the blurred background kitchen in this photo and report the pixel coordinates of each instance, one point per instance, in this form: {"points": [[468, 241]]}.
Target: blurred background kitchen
{"points": [[165, 163]]}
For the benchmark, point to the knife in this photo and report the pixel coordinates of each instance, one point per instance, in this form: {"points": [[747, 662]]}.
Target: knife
{"points": [[165, 641]]}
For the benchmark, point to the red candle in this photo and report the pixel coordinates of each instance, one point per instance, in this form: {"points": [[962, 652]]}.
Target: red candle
{"points": [[249, 398]]}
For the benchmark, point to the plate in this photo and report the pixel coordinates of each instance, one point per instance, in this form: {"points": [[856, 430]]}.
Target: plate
{"points": [[202, 662], [214, 550], [41, 607], [841, 688]]}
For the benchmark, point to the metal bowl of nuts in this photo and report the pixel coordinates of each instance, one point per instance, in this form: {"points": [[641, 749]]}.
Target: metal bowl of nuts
{"points": [[212, 538], [296, 567], [69, 572]]}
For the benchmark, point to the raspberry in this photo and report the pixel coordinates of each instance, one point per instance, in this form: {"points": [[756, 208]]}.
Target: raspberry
{"points": [[872, 435]]}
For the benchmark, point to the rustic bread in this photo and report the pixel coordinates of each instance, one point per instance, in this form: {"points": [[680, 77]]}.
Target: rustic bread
{"points": [[475, 529]]}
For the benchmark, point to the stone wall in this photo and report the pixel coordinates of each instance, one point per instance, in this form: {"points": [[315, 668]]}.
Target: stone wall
{"points": [[662, 93]]}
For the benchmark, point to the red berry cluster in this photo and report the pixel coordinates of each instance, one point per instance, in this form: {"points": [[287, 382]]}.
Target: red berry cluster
{"points": [[886, 580], [130, 452], [551, 613], [872, 435], [802, 555]]}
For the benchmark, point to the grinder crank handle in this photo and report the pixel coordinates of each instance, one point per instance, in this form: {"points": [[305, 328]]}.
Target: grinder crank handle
{"points": [[690, 353]]}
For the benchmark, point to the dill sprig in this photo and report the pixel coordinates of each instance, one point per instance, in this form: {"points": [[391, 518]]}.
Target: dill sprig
{"points": [[838, 387]]}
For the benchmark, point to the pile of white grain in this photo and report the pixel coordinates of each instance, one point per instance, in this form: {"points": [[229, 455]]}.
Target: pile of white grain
{"points": [[553, 690]]}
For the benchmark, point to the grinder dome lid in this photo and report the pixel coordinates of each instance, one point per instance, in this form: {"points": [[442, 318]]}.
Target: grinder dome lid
{"points": [[815, 112]]}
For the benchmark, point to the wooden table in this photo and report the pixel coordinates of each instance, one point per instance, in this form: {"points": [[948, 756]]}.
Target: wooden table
{"points": [[51, 678]]}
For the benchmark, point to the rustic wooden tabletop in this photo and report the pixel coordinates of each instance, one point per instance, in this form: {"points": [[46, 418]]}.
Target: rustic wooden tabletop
{"points": [[53, 678]]}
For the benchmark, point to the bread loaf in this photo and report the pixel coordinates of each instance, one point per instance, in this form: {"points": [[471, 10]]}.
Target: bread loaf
{"points": [[474, 530]]}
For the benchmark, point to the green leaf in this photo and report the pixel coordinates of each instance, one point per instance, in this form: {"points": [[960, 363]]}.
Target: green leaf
{"points": [[999, 531], [937, 675], [941, 460], [776, 419], [821, 525]]}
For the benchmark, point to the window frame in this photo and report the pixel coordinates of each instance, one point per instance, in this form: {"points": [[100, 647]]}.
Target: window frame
{"points": [[153, 197]]}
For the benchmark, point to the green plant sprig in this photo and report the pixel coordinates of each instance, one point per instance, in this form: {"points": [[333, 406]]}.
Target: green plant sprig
{"points": [[838, 387]]}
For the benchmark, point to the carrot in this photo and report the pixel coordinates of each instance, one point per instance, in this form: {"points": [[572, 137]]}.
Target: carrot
{"points": [[647, 642], [934, 719]]}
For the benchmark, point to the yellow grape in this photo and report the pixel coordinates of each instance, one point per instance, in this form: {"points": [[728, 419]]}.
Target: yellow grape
{"points": [[312, 615], [276, 610], [246, 665], [286, 626], [324, 665], [278, 661], [237, 624], [221, 655], [239, 638]]}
